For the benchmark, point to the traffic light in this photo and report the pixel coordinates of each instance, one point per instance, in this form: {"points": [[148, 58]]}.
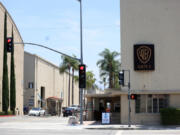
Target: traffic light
{"points": [[82, 76], [9, 42], [133, 96], [121, 78]]}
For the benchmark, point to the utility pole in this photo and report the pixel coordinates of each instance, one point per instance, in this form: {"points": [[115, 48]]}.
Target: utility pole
{"points": [[81, 47]]}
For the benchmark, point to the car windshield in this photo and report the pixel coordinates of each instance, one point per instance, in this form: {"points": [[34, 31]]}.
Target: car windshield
{"points": [[35, 109], [75, 105], [69, 108]]}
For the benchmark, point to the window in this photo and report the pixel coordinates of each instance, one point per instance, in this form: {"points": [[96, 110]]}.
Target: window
{"points": [[155, 105], [137, 109], [117, 107], [151, 103], [30, 85], [62, 94], [140, 104], [143, 103]]}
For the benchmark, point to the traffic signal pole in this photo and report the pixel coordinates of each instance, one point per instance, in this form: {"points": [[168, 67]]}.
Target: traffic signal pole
{"points": [[81, 47], [121, 79], [129, 101]]}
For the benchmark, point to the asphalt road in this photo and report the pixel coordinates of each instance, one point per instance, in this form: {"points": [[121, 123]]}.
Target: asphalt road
{"points": [[55, 132], [84, 132], [58, 126]]}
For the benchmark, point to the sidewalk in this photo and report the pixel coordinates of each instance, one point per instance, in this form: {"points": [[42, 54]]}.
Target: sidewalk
{"points": [[98, 125]]}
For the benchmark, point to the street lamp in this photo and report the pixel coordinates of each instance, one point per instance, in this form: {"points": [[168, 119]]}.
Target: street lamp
{"points": [[81, 39], [81, 59]]}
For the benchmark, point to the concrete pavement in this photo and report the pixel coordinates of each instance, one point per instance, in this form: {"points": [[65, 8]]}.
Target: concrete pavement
{"points": [[52, 122], [98, 125], [59, 125]]}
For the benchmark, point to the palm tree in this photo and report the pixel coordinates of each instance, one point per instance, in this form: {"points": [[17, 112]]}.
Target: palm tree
{"points": [[109, 67], [74, 66], [66, 66], [90, 82], [103, 82]]}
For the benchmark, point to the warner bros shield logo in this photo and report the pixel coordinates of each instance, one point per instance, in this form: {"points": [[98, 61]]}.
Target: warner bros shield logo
{"points": [[144, 57]]}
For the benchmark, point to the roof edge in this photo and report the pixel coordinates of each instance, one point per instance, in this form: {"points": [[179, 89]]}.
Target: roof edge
{"points": [[11, 20]]}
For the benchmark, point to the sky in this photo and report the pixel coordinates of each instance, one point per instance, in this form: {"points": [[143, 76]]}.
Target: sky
{"points": [[56, 24]]}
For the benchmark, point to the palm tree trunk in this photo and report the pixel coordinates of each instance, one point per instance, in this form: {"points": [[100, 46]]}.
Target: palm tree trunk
{"points": [[69, 86], [72, 86], [110, 80]]}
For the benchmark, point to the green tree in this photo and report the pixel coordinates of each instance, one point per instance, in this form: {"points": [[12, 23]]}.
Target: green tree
{"points": [[12, 80], [90, 80], [74, 66], [103, 82], [109, 66], [66, 66], [5, 85]]}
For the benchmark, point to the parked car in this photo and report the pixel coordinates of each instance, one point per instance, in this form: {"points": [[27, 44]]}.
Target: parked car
{"points": [[68, 111], [76, 107], [36, 112]]}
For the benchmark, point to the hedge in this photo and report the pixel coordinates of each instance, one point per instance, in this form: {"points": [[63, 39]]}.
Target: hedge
{"points": [[170, 116], [9, 113]]}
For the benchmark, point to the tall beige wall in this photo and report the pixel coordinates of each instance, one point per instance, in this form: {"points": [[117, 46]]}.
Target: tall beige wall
{"points": [[29, 77], [18, 55], [156, 22], [47, 75]]}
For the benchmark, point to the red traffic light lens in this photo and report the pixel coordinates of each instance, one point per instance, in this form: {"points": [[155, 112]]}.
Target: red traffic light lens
{"points": [[132, 97], [81, 68], [9, 40]]}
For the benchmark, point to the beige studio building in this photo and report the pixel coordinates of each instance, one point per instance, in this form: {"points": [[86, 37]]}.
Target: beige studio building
{"points": [[18, 58], [150, 38], [45, 87]]}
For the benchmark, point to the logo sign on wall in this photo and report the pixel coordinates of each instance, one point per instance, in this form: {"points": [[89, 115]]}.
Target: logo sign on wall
{"points": [[144, 57]]}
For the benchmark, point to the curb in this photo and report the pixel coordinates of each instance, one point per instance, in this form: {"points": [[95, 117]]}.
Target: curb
{"points": [[7, 115], [126, 128], [113, 128]]}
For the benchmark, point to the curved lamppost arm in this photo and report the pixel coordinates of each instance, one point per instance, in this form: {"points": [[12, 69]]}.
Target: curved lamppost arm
{"points": [[49, 49]]}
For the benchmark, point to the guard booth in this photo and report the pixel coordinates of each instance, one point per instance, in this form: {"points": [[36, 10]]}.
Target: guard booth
{"points": [[101, 103], [54, 105]]}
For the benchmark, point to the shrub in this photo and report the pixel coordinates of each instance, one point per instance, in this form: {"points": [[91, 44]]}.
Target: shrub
{"points": [[170, 116], [9, 113], [2, 113]]}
